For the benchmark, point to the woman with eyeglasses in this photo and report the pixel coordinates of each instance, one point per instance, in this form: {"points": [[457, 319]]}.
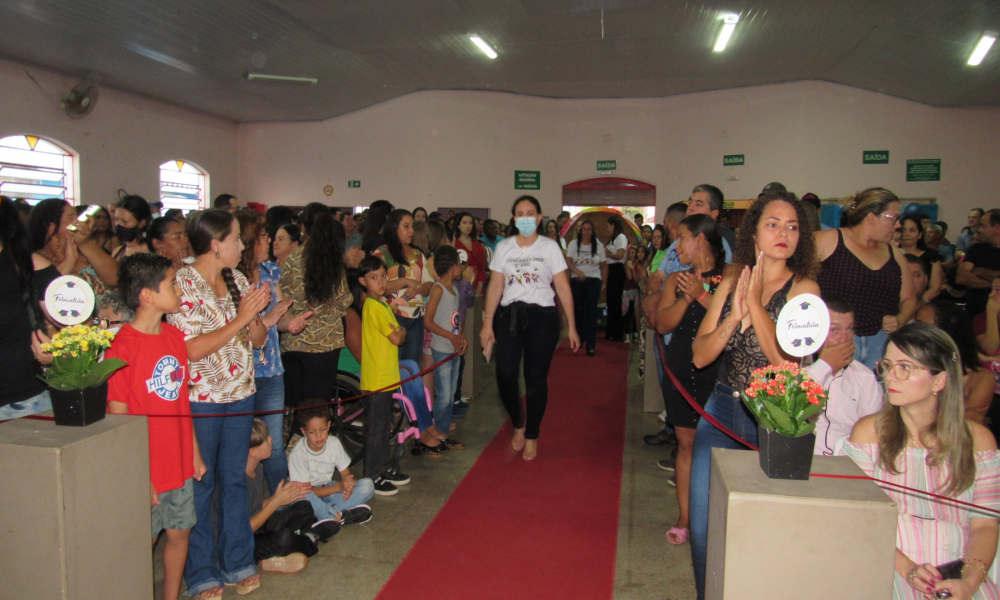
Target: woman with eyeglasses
{"points": [[863, 267], [921, 439]]}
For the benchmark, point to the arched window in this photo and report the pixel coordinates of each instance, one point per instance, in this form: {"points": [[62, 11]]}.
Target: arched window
{"points": [[183, 185], [33, 169]]}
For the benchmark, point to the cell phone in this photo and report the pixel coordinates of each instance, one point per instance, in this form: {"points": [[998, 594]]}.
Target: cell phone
{"points": [[86, 214], [951, 570], [488, 351]]}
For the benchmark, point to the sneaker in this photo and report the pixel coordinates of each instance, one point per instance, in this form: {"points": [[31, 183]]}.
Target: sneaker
{"points": [[628, 337], [395, 477], [356, 516], [672, 482], [667, 464], [293, 563], [457, 414], [462, 404], [385, 488], [325, 529]]}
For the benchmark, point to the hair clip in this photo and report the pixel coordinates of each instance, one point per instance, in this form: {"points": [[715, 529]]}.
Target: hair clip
{"points": [[954, 357]]}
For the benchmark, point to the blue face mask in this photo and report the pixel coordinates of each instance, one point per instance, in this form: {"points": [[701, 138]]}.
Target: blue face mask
{"points": [[526, 225]]}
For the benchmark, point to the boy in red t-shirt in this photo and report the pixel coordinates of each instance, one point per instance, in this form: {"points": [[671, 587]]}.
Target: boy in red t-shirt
{"points": [[155, 382]]}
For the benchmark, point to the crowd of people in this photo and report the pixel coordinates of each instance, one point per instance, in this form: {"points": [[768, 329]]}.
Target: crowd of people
{"points": [[252, 313]]}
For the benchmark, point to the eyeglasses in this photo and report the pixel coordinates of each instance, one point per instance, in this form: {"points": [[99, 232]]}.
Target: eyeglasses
{"points": [[105, 323], [901, 371], [895, 218]]}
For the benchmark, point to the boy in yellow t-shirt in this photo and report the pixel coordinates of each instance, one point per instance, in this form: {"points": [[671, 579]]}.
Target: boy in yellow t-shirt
{"points": [[380, 337]]}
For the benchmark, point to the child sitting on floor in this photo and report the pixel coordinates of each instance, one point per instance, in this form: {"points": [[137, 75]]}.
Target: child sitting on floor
{"points": [[286, 531], [315, 458]]}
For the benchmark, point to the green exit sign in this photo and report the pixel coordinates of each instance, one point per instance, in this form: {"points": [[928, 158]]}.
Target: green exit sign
{"points": [[607, 165], [351, 184], [733, 160], [875, 157]]}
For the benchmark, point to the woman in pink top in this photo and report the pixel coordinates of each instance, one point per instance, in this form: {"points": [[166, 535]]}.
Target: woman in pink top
{"points": [[922, 440]]}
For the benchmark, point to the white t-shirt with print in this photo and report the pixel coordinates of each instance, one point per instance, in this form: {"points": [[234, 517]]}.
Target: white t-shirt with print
{"points": [[528, 271], [317, 467], [584, 260], [619, 243]]}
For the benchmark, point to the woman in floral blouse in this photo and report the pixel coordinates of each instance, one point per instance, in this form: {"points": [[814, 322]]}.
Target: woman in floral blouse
{"points": [[313, 277], [219, 318], [405, 294]]}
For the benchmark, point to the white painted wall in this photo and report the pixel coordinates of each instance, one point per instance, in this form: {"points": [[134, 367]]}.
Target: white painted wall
{"points": [[461, 148], [123, 142]]}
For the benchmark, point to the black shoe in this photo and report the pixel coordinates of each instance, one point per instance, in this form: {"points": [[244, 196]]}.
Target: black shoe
{"points": [[590, 352], [385, 488], [659, 438], [325, 529], [395, 477], [461, 405], [432, 451], [356, 516]]}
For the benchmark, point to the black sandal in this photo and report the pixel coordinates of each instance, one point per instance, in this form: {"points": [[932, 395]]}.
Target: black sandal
{"points": [[432, 451], [452, 444]]}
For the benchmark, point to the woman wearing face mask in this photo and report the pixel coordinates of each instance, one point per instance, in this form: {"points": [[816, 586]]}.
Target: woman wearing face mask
{"points": [[922, 439], [466, 239], [616, 250], [132, 217], [168, 239], [521, 318], [219, 318], [774, 261]]}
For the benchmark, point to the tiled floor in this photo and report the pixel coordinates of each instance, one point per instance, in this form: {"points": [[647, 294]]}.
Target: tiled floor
{"points": [[356, 563]]}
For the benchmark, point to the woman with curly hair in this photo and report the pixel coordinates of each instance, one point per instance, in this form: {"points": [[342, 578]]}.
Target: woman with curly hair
{"points": [[405, 292], [863, 267], [314, 279], [775, 261]]}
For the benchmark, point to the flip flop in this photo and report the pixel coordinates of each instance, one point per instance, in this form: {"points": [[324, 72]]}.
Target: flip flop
{"points": [[678, 536]]}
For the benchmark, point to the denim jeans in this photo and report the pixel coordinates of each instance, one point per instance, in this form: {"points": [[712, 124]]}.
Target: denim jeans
{"points": [[586, 295], [414, 342], [414, 391], [271, 396], [31, 406], [729, 411], [445, 383], [225, 444], [869, 349], [328, 507]]}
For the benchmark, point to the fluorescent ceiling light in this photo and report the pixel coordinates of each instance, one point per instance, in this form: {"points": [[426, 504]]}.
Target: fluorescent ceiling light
{"points": [[487, 50], [982, 48], [727, 32], [284, 78]]}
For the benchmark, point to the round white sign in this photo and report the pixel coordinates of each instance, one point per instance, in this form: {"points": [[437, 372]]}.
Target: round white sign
{"points": [[803, 325], [69, 300]]}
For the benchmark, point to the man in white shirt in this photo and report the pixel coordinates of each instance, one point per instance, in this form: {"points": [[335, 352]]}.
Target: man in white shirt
{"points": [[852, 389]]}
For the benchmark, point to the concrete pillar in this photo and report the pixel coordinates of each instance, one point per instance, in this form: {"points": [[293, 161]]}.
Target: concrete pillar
{"points": [[74, 510], [475, 364], [652, 396]]}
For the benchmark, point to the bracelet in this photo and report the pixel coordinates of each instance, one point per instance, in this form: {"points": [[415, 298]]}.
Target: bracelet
{"points": [[486, 316], [975, 562], [703, 296], [273, 503]]}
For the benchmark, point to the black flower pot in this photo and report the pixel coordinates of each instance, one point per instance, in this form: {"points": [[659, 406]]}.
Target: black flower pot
{"points": [[784, 457], [78, 408]]}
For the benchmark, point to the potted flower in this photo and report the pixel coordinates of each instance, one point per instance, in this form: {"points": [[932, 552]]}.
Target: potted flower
{"points": [[78, 382], [783, 398]]}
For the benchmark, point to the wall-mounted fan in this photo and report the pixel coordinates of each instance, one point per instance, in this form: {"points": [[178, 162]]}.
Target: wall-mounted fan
{"points": [[80, 100]]}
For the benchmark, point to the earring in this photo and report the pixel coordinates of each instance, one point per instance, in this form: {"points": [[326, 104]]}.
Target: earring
{"points": [[216, 254]]}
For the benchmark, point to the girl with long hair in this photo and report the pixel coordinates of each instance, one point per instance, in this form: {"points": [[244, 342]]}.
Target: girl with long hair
{"points": [[465, 238], [921, 439], [100, 231], [660, 241], [132, 218], [71, 252], [520, 317], [775, 261], [314, 278], [405, 293], [616, 252], [630, 292], [682, 306], [168, 239], [374, 224], [911, 242], [587, 262], [219, 318]]}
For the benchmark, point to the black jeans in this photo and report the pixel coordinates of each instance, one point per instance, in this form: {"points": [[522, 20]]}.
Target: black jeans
{"points": [[310, 377], [616, 285], [532, 332], [586, 295], [278, 537], [378, 426]]}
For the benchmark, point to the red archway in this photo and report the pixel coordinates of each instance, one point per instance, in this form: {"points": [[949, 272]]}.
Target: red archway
{"points": [[609, 191]]}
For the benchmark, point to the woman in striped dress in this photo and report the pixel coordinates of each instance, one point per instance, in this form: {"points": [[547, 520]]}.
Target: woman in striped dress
{"points": [[922, 440]]}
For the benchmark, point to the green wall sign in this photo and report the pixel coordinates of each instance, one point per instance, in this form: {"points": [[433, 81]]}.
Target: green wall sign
{"points": [[875, 157], [923, 169], [607, 165], [527, 180], [356, 184], [733, 160]]}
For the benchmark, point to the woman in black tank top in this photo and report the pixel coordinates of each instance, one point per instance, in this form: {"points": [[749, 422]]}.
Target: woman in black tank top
{"points": [[774, 261]]}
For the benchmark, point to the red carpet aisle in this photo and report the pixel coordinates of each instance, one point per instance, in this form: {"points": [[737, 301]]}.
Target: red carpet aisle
{"points": [[546, 528]]}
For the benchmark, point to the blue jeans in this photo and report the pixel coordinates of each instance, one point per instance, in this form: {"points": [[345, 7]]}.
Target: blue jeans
{"points": [[271, 396], [328, 507], [445, 384], [225, 444], [869, 349], [729, 411], [414, 390], [414, 342], [31, 406]]}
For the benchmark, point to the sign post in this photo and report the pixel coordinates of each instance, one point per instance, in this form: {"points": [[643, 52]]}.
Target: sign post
{"points": [[923, 169], [733, 160], [527, 180], [875, 157]]}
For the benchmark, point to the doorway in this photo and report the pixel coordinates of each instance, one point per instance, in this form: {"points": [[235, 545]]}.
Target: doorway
{"points": [[599, 199]]}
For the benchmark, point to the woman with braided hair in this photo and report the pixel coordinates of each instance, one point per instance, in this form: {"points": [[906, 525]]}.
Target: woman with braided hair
{"points": [[220, 320]]}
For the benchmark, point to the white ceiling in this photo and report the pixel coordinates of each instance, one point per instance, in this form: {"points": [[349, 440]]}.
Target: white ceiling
{"points": [[193, 53]]}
